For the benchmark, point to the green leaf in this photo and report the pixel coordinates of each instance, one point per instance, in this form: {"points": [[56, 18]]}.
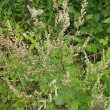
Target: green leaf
{"points": [[32, 46], [73, 69], [101, 40], [75, 81], [83, 30], [43, 85], [108, 30], [68, 41], [5, 30], [105, 13], [59, 100], [105, 43], [15, 60], [93, 48], [27, 37], [70, 9], [102, 74], [19, 87], [21, 37], [76, 14], [90, 29], [44, 44], [97, 17], [108, 52], [50, 106], [77, 39], [18, 108], [24, 82], [32, 34], [32, 40], [88, 48], [90, 16], [16, 103], [65, 50], [107, 2], [57, 53], [107, 38], [99, 28], [17, 34], [17, 26], [107, 20], [4, 100], [68, 61], [18, 39], [73, 105]]}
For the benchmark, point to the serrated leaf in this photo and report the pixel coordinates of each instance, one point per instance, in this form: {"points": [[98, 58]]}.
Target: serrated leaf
{"points": [[107, 20]]}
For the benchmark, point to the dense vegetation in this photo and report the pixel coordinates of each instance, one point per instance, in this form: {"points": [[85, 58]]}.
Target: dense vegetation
{"points": [[54, 54]]}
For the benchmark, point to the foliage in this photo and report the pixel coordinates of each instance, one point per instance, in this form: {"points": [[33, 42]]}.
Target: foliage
{"points": [[54, 53]]}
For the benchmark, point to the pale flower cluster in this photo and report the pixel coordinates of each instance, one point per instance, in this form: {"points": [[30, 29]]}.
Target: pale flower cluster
{"points": [[83, 11], [34, 12], [67, 79], [63, 16], [81, 18], [27, 33]]}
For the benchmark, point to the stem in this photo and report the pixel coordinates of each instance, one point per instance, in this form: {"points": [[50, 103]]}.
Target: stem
{"points": [[62, 65]]}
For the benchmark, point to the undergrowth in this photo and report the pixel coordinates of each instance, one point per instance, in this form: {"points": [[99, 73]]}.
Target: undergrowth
{"points": [[45, 64]]}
